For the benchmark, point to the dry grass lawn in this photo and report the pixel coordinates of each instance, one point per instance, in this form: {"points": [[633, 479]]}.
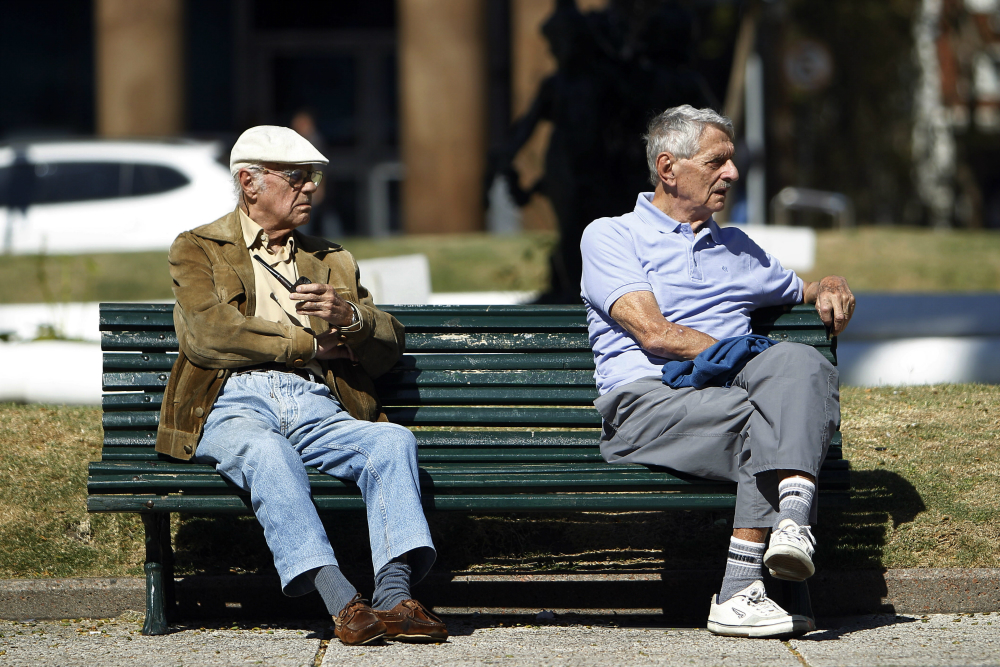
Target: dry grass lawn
{"points": [[925, 474], [44, 526], [928, 460]]}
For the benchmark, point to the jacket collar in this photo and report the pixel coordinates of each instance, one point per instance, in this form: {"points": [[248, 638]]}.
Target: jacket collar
{"points": [[226, 229], [229, 231]]}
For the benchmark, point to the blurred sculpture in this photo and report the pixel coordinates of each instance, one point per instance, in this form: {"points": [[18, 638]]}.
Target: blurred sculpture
{"points": [[617, 68]]}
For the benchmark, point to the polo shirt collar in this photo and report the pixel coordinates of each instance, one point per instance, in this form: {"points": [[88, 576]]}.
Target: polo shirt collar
{"points": [[659, 220]]}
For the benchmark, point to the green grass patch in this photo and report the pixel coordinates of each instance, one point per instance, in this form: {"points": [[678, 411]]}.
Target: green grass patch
{"points": [[459, 263], [139, 276], [925, 479], [872, 258], [894, 259], [44, 526]]}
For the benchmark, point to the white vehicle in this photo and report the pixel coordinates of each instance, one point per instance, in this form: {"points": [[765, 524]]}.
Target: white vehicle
{"points": [[70, 197]]}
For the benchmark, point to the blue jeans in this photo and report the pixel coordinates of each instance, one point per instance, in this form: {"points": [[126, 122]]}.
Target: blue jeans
{"points": [[267, 426]]}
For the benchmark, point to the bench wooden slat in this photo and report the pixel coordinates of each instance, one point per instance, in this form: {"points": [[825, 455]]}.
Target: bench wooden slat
{"points": [[129, 361], [133, 454], [163, 477], [594, 502], [139, 341], [147, 400], [602, 501], [465, 439], [476, 415], [584, 361], [512, 379], [540, 482], [492, 321], [145, 321], [497, 342], [131, 314], [449, 479], [489, 395], [135, 381], [424, 416], [484, 378], [130, 420], [499, 361]]}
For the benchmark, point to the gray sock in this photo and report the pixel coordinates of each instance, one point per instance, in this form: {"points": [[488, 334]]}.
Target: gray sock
{"points": [[795, 499], [334, 588], [743, 567], [392, 585]]}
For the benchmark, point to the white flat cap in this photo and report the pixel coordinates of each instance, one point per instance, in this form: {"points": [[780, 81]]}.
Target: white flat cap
{"points": [[272, 143]]}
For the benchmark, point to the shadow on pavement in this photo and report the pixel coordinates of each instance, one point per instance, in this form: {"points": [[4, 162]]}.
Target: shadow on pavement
{"points": [[853, 625], [638, 562]]}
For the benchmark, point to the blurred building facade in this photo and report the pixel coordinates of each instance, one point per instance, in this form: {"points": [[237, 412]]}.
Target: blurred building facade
{"points": [[409, 98], [406, 97]]}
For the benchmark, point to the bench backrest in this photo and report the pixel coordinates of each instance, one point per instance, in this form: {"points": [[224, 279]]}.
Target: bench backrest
{"points": [[493, 368]]}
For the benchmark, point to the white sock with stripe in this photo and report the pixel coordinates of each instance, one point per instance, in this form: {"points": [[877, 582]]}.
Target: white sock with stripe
{"points": [[795, 499], [743, 566]]}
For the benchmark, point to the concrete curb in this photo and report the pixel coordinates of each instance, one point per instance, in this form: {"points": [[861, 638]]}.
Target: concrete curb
{"points": [[909, 591]]}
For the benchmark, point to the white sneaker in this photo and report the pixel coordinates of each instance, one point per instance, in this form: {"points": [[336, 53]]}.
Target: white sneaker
{"points": [[789, 553], [750, 613]]}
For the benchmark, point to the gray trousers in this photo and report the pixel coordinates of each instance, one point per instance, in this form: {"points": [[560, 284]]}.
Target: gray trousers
{"points": [[780, 413]]}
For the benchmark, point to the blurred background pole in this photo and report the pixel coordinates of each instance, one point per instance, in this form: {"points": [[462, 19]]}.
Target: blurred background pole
{"points": [[754, 127], [736, 89], [934, 149], [443, 97], [139, 67]]}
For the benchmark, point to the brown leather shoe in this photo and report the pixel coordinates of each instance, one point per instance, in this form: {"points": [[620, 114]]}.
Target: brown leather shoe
{"points": [[409, 621], [357, 624]]}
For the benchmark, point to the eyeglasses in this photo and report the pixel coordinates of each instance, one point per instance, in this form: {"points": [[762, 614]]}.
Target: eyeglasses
{"points": [[297, 177]]}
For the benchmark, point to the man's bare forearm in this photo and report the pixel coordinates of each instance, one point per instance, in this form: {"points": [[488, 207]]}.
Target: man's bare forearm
{"points": [[639, 314], [678, 342]]}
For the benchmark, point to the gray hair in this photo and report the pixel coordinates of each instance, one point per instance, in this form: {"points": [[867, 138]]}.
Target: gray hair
{"points": [[678, 131], [256, 173]]}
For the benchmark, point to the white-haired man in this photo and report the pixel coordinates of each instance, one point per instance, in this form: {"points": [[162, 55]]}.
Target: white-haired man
{"points": [[664, 284], [279, 343]]}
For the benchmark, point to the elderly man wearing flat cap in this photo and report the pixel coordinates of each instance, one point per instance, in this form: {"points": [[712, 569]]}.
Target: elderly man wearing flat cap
{"points": [[279, 343]]}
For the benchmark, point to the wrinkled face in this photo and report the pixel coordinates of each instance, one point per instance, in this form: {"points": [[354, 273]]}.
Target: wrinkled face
{"points": [[285, 205], [703, 180]]}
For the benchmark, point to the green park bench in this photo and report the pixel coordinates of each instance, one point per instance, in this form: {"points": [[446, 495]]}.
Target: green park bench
{"points": [[500, 398]]}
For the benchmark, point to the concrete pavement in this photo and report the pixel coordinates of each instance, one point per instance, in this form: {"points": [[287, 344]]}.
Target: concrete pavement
{"points": [[606, 640]]}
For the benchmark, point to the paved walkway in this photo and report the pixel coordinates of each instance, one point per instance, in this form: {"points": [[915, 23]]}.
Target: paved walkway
{"points": [[946, 639]]}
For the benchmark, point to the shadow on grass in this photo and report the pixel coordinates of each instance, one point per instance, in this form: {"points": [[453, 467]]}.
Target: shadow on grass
{"points": [[855, 538]]}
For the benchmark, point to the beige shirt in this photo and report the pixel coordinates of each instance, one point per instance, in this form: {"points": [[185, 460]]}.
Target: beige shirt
{"points": [[273, 303]]}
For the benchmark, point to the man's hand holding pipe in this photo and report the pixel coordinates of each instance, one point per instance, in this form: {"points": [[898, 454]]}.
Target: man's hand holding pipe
{"points": [[321, 300]]}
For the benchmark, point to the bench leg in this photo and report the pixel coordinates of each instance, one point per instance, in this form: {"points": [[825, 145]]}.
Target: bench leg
{"points": [[795, 595], [156, 603], [167, 558]]}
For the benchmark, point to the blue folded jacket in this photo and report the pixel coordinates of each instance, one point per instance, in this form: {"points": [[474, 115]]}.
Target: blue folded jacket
{"points": [[718, 365]]}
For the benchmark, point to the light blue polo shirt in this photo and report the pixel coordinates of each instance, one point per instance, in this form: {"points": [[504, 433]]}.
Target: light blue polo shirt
{"points": [[709, 281]]}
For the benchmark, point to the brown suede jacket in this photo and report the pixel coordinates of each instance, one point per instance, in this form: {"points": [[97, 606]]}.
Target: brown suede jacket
{"points": [[217, 331]]}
